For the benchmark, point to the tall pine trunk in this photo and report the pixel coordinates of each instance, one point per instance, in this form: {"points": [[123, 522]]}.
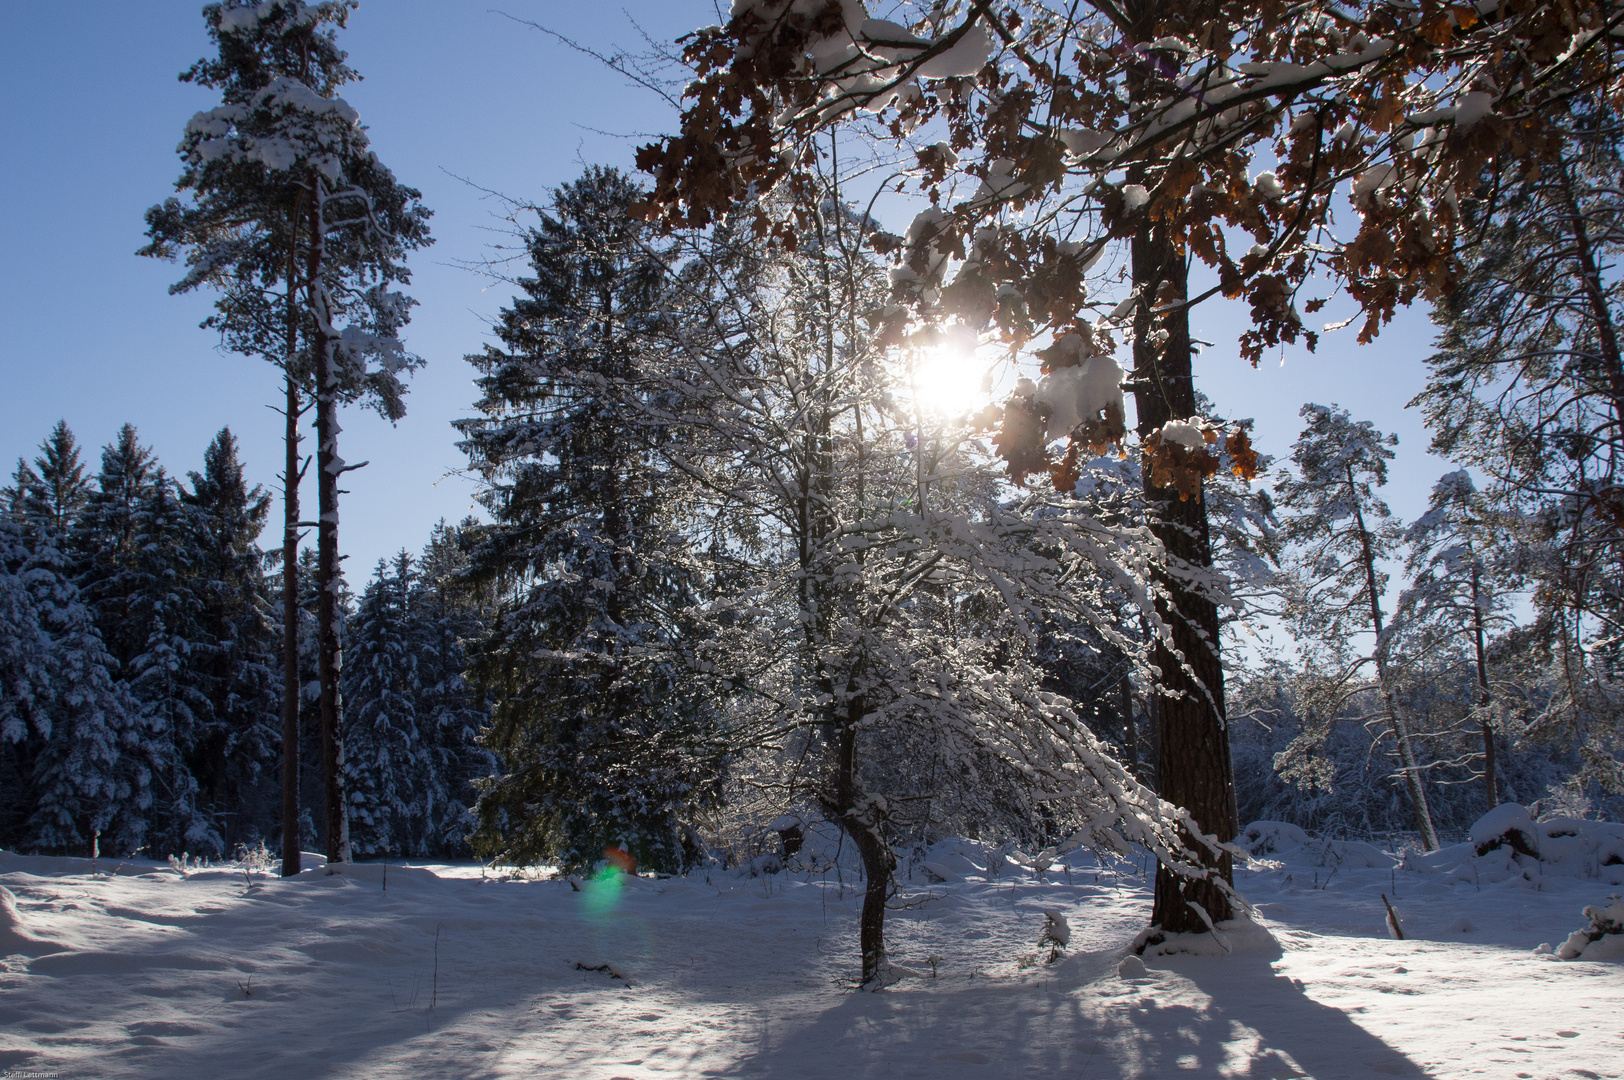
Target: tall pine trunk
{"points": [[1193, 767], [328, 468], [290, 569], [1408, 762], [1485, 697]]}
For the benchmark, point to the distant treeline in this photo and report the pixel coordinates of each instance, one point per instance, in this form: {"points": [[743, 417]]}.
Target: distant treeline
{"points": [[140, 694]]}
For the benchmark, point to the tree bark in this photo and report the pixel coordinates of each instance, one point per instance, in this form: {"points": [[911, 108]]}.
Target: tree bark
{"points": [[1401, 728], [1491, 783], [291, 860], [328, 469], [1130, 732], [863, 823], [1193, 766]]}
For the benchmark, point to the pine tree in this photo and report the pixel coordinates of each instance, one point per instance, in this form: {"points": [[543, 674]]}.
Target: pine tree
{"points": [[1344, 533], [1527, 388], [601, 742], [284, 161]]}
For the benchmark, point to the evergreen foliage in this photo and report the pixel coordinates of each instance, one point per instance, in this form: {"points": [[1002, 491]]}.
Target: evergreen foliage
{"points": [[411, 740], [233, 658], [601, 739], [134, 545], [383, 747], [68, 777]]}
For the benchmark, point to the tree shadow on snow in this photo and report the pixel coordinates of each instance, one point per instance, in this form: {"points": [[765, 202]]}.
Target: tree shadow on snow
{"points": [[1080, 1020]]}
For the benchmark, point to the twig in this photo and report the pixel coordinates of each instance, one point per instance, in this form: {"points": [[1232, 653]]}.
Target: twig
{"points": [[434, 992]]}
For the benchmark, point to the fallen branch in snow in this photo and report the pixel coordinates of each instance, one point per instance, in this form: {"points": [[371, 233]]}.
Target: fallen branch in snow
{"points": [[609, 969]]}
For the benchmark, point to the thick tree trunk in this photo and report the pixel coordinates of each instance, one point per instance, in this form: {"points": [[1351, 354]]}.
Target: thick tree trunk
{"points": [[328, 469], [1193, 766]]}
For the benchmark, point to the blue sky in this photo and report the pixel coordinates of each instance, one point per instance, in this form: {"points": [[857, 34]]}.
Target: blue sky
{"points": [[91, 111]]}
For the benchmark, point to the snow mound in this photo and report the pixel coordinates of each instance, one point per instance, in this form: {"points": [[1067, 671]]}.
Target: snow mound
{"points": [[1271, 837], [954, 860], [1238, 935], [1507, 845], [1358, 855], [14, 935]]}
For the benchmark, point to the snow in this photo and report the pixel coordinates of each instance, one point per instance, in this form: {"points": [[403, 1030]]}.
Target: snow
{"points": [[1186, 433], [1472, 109], [1083, 392], [999, 182], [1133, 197], [1084, 141], [1507, 823], [451, 971], [965, 57], [1267, 837]]}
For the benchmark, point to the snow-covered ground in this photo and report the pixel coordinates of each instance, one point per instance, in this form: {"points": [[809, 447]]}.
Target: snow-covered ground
{"points": [[136, 971]]}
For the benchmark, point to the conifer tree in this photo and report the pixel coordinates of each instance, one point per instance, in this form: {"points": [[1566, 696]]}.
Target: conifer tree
{"points": [[599, 739], [449, 617], [234, 658], [134, 544], [1344, 533], [385, 751], [54, 492], [68, 781], [1527, 388], [285, 187]]}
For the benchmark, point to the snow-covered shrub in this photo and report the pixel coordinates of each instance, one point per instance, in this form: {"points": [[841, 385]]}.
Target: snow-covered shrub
{"points": [[1605, 922], [1056, 934], [1509, 825], [1271, 837], [1506, 844]]}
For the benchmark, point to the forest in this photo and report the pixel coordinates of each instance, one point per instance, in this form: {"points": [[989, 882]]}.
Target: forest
{"points": [[757, 589]]}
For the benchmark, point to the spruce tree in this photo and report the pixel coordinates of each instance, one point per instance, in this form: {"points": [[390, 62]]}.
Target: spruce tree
{"points": [[599, 739], [56, 489], [134, 544], [233, 660], [448, 617], [386, 780], [68, 780]]}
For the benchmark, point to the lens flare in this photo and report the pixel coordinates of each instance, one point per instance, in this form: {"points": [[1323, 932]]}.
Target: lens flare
{"points": [[601, 892]]}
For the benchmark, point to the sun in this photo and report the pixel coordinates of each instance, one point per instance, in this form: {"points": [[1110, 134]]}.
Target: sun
{"points": [[948, 378]]}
